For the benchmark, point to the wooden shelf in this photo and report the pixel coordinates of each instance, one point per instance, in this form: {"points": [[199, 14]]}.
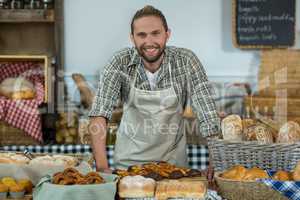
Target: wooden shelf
{"points": [[26, 15]]}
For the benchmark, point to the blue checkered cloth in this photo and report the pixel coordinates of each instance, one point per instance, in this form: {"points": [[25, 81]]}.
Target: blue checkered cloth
{"points": [[290, 189], [197, 154]]}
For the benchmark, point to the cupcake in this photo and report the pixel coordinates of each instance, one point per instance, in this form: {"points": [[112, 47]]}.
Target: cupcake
{"points": [[26, 184], [8, 181], [3, 191], [16, 191]]}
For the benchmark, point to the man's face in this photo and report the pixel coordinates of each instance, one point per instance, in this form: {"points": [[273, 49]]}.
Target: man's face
{"points": [[149, 37]]}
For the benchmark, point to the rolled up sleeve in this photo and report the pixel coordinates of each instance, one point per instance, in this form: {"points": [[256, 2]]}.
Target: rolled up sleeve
{"points": [[108, 91], [202, 99]]}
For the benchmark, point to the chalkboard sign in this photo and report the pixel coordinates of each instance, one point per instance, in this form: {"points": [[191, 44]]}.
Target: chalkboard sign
{"points": [[264, 23]]}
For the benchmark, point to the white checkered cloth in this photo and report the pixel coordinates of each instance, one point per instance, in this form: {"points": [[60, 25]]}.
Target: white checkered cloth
{"points": [[197, 154]]}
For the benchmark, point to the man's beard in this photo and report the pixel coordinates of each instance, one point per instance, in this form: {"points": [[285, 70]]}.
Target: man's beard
{"points": [[151, 59]]}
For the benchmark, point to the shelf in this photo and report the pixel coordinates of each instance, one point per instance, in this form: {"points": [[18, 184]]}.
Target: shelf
{"points": [[26, 15]]}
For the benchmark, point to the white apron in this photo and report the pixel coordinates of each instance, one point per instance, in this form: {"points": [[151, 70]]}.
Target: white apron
{"points": [[151, 129]]}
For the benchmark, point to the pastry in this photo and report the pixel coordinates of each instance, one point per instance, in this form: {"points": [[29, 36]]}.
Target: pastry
{"points": [[71, 176], [16, 192], [8, 181], [17, 88], [69, 161], [194, 173], [154, 175], [3, 188], [255, 173], [180, 189], [6, 160], [55, 160], [93, 178], [282, 176], [235, 173], [232, 128], [26, 184], [289, 132], [136, 187], [296, 172], [16, 188], [19, 159], [176, 174]]}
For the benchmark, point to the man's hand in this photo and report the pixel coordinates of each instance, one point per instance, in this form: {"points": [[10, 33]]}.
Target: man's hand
{"points": [[97, 130], [106, 170]]}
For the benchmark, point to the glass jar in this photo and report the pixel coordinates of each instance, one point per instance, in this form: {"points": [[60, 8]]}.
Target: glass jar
{"points": [[2, 4], [36, 4], [111, 133], [27, 4], [48, 4], [16, 4]]}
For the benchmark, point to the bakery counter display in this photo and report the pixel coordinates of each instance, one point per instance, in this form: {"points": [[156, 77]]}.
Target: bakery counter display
{"points": [[161, 181], [71, 184], [239, 182]]}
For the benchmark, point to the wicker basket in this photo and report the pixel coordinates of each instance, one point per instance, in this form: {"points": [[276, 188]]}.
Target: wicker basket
{"points": [[246, 190], [14, 136], [225, 154]]}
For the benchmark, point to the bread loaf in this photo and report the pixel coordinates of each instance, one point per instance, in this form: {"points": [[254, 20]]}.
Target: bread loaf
{"points": [[136, 187], [180, 189], [86, 94], [289, 132], [255, 173], [282, 176], [235, 173], [232, 128], [17, 88]]}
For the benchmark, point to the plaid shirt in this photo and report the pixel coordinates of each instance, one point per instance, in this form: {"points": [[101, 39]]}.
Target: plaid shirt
{"points": [[188, 76]]}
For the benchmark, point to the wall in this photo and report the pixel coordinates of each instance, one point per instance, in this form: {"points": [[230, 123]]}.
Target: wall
{"points": [[94, 29]]}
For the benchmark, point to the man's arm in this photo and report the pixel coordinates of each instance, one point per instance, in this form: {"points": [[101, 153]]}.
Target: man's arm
{"points": [[202, 99], [98, 130], [105, 99]]}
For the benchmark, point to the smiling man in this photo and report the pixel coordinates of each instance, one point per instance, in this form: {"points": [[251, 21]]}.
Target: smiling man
{"points": [[154, 82]]}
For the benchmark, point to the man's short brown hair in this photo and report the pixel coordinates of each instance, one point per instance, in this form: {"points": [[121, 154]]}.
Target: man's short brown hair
{"points": [[149, 11]]}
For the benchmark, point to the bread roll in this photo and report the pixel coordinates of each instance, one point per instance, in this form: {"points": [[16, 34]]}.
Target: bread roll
{"points": [[17, 88], [6, 160], [232, 128], [12, 158], [289, 132], [255, 173], [248, 122], [136, 187], [263, 134], [282, 176], [296, 172], [258, 132], [235, 173]]}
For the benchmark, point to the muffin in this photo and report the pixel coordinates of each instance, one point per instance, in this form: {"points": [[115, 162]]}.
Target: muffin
{"points": [[8, 181], [26, 184], [16, 191], [3, 191]]}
